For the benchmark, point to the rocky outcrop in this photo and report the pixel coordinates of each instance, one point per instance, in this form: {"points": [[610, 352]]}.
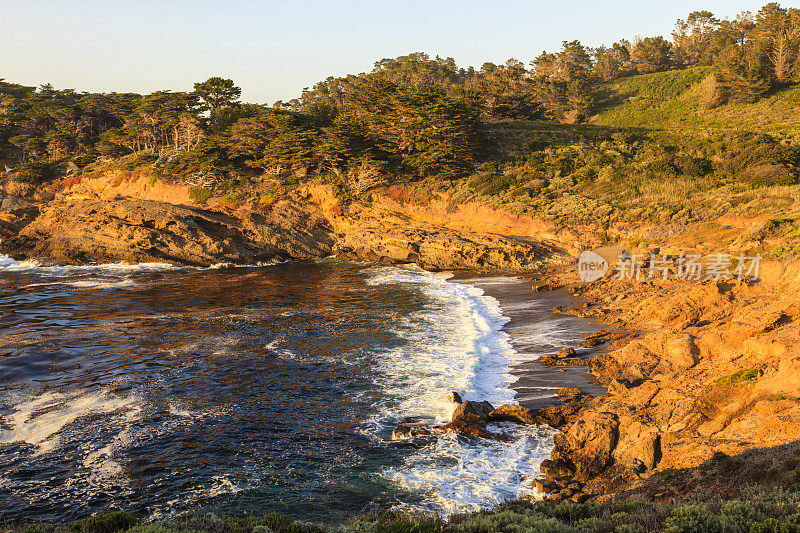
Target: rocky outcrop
{"points": [[111, 219], [469, 408], [72, 230], [706, 368]]}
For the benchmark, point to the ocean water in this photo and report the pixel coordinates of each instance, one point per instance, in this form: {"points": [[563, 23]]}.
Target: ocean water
{"points": [[164, 390]]}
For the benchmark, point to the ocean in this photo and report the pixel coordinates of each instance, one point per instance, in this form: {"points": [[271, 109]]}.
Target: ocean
{"points": [[164, 391]]}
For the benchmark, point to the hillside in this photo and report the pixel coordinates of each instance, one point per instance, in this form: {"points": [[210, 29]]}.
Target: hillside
{"points": [[682, 100]]}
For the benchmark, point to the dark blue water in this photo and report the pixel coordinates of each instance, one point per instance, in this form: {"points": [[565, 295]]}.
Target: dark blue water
{"points": [[164, 391]]}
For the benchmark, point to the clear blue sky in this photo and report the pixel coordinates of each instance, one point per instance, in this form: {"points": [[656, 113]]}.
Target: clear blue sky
{"points": [[274, 48]]}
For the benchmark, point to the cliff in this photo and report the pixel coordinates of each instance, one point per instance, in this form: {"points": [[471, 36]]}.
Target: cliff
{"points": [[121, 218]]}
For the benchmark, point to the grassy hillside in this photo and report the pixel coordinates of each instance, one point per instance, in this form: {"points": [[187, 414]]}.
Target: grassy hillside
{"points": [[680, 99]]}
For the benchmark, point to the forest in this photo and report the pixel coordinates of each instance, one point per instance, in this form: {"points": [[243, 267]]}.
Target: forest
{"points": [[410, 117]]}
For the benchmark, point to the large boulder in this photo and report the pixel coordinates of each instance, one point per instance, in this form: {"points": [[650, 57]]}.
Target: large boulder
{"points": [[569, 394], [479, 409], [470, 425], [566, 352], [514, 413], [638, 444], [589, 443], [552, 415]]}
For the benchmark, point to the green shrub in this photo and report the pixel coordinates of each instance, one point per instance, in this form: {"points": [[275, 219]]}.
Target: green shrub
{"points": [[110, 522], [200, 195], [693, 519], [746, 374], [33, 172]]}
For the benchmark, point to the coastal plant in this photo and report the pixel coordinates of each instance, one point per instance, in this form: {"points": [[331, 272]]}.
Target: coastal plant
{"points": [[693, 518]]}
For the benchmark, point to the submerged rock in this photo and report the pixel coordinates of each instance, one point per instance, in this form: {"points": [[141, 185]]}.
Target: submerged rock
{"points": [[413, 427]]}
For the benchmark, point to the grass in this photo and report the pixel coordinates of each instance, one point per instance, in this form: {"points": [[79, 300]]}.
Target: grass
{"points": [[744, 375], [755, 510], [672, 100]]}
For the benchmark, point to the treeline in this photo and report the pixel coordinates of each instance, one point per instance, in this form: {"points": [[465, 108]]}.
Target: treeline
{"points": [[412, 115]]}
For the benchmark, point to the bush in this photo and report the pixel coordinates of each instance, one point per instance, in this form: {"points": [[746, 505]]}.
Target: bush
{"points": [[33, 172], [693, 519], [105, 523], [200, 195]]}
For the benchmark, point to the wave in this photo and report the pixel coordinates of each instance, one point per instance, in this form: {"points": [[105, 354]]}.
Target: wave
{"points": [[455, 342], [38, 420], [34, 266]]}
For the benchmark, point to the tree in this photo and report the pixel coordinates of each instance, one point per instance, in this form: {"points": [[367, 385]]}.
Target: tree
{"points": [[743, 71], [610, 63], [693, 38], [652, 54], [777, 30], [219, 95], [506, 91]]}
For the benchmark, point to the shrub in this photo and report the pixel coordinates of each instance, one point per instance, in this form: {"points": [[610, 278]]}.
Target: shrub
{"points": [[200, 195], [693, 519], [110, 522], [746, 374], [33, 172]]}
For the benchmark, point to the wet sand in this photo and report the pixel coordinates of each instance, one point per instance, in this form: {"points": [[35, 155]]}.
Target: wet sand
{"points": [[536, 331]]}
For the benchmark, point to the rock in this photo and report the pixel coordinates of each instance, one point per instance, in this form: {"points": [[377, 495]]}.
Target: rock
{"points": [[470, 425], [479, 409], [638, 445], [579, 497], [589, 443], [455, 397], [680, 352], [558, 415], [569, 394], [552, 415], [566, 352], [565, 494], [84, 230], [555, 469], [13, 203], [514, 413], [544, 485], [591, 343], [413, 427]]}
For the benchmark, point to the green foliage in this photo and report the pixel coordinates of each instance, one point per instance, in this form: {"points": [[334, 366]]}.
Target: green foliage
{"points": [[693, 519], [33, 172], [110, 522], [652, 54], [741, 376], [200, 195]]}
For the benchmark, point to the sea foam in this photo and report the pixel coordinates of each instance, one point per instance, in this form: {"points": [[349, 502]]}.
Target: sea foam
{"points": [[456, 342]]}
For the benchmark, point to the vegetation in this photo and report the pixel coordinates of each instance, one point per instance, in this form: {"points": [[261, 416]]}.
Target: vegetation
{"points": [[618, 134], [755, 511]]}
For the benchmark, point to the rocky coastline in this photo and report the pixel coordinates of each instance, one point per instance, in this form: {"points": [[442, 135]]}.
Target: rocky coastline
{"points": [[703, 378]]}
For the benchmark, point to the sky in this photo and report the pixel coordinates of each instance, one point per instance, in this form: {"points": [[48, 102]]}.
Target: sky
{"points": [[272, 49]]}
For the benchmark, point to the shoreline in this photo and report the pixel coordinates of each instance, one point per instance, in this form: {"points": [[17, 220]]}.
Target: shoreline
{"points": [[703, 390], [670, 344]]}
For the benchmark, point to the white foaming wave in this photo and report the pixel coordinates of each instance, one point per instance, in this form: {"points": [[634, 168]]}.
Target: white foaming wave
{"points": [[456, 342], [37, 421], [455, 476], [33, 266], [219, 266]]}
